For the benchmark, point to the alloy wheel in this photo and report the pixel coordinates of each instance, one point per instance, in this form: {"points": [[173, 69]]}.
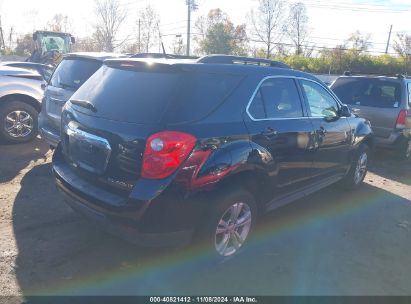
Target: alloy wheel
{"points": [[233, 229], [361, 168], [18, 124]]}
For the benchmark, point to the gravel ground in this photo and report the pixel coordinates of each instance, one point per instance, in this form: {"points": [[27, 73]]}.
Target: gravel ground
{"points": [[331, 243]]}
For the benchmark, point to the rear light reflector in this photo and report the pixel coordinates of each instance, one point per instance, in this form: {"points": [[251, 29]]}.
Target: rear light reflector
{"points": [[402, 119], [165, 152]]}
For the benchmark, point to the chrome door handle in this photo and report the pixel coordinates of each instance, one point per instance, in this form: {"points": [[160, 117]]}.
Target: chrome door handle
{"points": [[269, 132]]}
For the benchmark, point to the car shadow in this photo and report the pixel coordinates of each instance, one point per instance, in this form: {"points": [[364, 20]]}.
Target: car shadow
{"points": [[330, 243], [388, 165], [16, 157]]}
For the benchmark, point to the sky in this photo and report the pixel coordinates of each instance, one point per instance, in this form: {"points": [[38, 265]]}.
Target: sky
{"points": [[330, 22]]}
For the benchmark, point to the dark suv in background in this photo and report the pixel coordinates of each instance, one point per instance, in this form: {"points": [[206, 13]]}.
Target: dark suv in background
{"points": [[386, 102], [164, 152], [69, 75]]}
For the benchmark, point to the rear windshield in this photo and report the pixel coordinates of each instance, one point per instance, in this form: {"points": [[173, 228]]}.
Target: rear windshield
{"points": [[379, 93], [71, 73], [145, 97]]}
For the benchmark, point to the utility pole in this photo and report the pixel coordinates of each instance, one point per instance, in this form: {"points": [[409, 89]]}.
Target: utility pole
{"points": [[389, 39], [191, 6], [2, 46], [139, 35]]}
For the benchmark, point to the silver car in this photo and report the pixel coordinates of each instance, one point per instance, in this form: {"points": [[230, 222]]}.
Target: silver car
{"points": [[21, 93], [69, 75], [385, 102]]}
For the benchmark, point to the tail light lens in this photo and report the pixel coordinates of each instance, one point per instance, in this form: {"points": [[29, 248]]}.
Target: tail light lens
{"points": [[165, 152], [402, 119]]}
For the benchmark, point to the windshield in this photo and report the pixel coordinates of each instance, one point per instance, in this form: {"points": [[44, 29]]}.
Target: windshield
{"points": [[59, 43], [143, 97], [73, 72]]}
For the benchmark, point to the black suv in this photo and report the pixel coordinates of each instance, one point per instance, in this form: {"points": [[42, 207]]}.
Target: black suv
{"points": [[166, 151]]}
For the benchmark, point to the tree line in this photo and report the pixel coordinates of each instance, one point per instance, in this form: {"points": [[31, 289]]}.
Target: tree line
{"points": [[274, 29]]}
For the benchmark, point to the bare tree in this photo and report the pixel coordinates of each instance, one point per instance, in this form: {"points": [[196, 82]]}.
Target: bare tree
{"points": [[402, 45], [267, 23], [59, 23], [359, 42], [149, 21], [178, 46], [110, 17], [297, 26]]}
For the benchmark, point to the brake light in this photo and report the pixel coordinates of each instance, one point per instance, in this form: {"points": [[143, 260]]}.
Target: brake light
{"points": [[165, 152], [402, 119]]}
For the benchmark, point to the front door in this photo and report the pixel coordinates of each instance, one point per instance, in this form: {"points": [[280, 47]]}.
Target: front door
{"points": [[332, 132]]}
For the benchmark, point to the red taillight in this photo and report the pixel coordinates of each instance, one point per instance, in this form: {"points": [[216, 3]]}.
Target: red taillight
{"points": [[165, 152], [402, 119]]}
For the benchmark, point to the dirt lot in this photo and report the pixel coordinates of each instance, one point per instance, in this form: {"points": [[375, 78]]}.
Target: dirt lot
{"points": [[332, 243]]}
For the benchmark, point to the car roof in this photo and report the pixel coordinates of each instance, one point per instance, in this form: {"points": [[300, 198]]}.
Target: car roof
{"points": [[243, 69], [101, 56], [370, 77], [17, 72], [24, 63]]}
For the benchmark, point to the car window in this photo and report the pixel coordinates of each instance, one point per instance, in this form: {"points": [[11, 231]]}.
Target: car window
{"points": [[321, 103], [147, 96], [276, 98], [71, 73], [377, 93]]}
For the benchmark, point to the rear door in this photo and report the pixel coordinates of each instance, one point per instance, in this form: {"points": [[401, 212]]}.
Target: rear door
{"points": [[378, 100], [332, 132], [277, 122]]}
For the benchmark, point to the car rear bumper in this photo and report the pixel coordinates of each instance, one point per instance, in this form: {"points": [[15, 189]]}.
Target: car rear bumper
{"points": [[142, 222], [126, 232], [48, 133], [395, 140]]}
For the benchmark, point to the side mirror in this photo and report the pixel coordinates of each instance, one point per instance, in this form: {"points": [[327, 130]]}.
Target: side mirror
{"points": [[43, 86], [345, 111]]}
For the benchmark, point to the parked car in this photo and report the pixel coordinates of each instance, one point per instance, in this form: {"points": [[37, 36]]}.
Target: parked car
{"points": [[169, 151], [43, 69], [385, 101], [21, 93], [70, 74]]}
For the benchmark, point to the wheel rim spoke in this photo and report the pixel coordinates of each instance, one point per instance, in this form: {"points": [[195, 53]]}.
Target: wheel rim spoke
{"points": [[237, 240], [235, 212], [245, 219]]}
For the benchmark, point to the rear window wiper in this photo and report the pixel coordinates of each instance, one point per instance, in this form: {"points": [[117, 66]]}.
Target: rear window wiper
{"points": [[69, 86], [84, 104]]}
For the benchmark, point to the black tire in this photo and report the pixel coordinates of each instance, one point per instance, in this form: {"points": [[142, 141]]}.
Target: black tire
{"points": [[222, 204], [352, 181], [8, 108], [404, 152]]}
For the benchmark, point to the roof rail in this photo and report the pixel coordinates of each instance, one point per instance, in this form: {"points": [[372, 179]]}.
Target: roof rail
{"points": [[161, 55], [227, 59], [399, 76]]}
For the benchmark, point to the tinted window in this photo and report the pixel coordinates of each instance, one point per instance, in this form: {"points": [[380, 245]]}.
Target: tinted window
{"points": [[144, 97], [276, 98], [378, 93], [320, 101], [72, 73]]}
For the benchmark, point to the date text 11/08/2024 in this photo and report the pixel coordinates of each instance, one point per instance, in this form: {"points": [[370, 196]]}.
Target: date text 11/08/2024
{"points": [[203, 300]]}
